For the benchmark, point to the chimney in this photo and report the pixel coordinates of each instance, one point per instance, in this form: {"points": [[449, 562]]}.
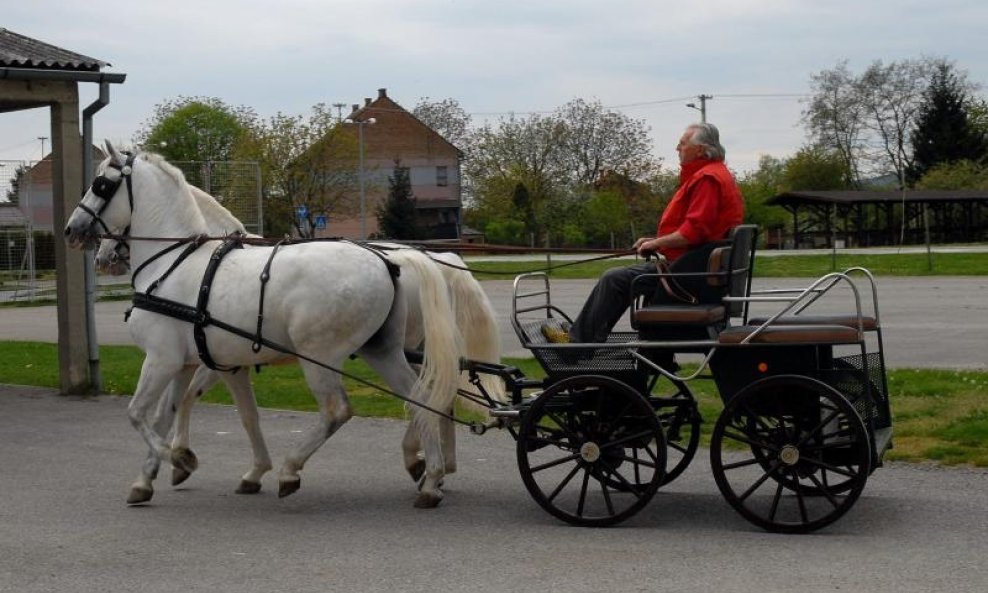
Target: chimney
{"points": [[367, 101], [382, 93], [355, 107]]}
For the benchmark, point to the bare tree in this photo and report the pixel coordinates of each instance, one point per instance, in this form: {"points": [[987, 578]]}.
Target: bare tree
{"points": [[447, 119], [835, 116]]}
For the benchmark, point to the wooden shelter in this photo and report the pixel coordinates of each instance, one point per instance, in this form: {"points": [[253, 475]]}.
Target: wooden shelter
{"points": [[873, 218]]}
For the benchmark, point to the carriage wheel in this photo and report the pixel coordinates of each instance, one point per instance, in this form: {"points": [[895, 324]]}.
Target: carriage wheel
{"points": [[582, 436], [776, 448]]}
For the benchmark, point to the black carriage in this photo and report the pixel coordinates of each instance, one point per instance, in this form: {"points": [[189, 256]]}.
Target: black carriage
{"points": [[805, 417]]}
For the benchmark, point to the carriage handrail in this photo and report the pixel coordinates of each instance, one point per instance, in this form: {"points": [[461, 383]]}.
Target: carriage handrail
{"points": [[820, 291], [813, 289]]}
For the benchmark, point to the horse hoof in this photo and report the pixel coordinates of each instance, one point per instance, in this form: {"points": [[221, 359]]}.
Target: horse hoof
{"points": [[179, 475], [185, 459], [286, 488], [139, 495], [417, 470], [426, 500], [255, 487]]}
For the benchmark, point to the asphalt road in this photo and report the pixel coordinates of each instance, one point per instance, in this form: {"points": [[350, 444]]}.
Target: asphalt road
{"points": [[929, 322], [66, 464]]}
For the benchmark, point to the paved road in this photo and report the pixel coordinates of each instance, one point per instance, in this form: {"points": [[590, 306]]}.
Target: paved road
{"points": [[65, 465], [934, 322]]}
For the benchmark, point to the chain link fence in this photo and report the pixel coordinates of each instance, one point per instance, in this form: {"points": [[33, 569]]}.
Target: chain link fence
{"points": [[27, 252]]}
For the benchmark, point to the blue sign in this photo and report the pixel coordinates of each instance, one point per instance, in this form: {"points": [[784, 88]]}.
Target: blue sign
{"points": [[321, 221], [302, 211]]}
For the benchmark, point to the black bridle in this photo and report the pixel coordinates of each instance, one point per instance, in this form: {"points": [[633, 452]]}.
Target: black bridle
{"points": [[105, 188]]}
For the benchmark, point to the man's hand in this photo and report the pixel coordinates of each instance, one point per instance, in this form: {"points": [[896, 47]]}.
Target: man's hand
{"points": [[646, 246]]}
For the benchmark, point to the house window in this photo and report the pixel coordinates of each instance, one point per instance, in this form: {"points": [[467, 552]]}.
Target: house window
{"points": [[442, 176]]}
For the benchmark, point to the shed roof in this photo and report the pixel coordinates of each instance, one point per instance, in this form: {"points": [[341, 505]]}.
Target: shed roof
{"points": [[11, 216], [799, 198], [19, 51]]}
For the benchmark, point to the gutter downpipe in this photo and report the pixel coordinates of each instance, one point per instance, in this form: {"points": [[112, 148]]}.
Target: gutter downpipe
{"points": [[95, 376]]}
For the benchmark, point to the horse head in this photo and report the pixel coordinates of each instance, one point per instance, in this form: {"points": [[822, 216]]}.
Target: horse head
{"points": [[98, 212]]}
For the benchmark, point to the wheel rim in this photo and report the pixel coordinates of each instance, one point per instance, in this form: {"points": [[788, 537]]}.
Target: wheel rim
{"points": [[680, 420], [790, 454], [591, 451]]}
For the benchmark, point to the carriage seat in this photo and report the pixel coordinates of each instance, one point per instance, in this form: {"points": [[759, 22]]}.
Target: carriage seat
{"points": [[704, 314], [791, 334], [867, 323]]}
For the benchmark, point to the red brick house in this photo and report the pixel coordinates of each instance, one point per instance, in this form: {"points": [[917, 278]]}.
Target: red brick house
{"points": [[433, 164]]}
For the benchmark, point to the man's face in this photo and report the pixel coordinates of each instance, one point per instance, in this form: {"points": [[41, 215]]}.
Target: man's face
{"points": [[688, 152]]}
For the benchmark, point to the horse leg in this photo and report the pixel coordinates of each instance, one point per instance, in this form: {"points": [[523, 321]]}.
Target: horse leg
{"points": [[429, 471], [243, 394], [334, 411], [155, 376], [184, 461]]}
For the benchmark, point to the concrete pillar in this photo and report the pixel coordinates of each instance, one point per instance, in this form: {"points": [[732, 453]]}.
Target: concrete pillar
{"points": [[73, 347]]}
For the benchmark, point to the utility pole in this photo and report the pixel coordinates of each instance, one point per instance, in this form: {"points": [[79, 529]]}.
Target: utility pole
{"points": [[339, 110], [703, 106], [42, 138]]}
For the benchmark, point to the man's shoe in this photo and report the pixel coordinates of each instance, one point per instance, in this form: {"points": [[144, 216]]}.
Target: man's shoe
{"points": [[555, 335]]}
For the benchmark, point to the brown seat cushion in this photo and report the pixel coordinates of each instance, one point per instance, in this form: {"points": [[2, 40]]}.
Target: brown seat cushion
{"points": [[791, 334], [680, 315], [868, 323]]}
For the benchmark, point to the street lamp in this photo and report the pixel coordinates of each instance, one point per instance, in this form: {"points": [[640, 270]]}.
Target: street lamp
{"points": [[360, 123]]}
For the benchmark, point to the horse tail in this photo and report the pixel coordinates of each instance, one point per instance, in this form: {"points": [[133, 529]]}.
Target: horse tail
{"points": [[477, 322], [437, 381]]}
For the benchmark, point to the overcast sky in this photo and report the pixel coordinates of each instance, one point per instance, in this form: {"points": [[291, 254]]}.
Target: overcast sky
{"points": [[646, 58]]}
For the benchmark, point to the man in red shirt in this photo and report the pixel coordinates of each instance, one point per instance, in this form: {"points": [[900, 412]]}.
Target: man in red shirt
{"points": [[706, 206]]}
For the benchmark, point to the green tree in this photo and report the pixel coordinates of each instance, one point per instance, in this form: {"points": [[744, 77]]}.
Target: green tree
{"points": [[396, 216], [953, 175], [815, 168], [195, 129], [13, 192], [944, 132], [757, 187], [306, 161]]}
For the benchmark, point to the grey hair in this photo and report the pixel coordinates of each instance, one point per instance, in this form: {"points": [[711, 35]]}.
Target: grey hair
{"points": [[707, 136]]}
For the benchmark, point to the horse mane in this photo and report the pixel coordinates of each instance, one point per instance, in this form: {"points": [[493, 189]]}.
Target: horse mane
{"points": [[218, 217], [159, 161]]}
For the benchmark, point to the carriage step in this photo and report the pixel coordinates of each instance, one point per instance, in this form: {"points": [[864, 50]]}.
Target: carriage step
{"points": [[883, 442]]}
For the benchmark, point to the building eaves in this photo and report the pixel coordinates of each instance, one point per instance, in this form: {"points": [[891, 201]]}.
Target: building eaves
{"points": [[19, 51]]}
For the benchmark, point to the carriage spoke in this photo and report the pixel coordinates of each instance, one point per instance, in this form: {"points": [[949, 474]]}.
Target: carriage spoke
{"points": [[760, 481], [632, 488], [799, 496], [607, 496], [775, 502], [583, 493], [849, 473], [745, 463], [563, 483], [554, 463], [743, 439], [622, 441], [817, 428], [825, 491]]}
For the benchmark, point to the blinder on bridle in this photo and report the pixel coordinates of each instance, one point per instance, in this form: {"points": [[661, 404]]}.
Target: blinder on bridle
{"points": [[105, 188]]}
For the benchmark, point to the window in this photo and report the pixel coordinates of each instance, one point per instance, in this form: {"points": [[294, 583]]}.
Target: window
{"points": [[442, 176]]}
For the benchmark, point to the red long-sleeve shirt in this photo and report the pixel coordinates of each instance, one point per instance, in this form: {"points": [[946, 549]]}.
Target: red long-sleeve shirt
{"points": [[707, 204]]}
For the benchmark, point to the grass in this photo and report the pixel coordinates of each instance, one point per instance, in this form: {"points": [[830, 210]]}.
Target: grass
{"points": [[940, 415], [781, 266]]}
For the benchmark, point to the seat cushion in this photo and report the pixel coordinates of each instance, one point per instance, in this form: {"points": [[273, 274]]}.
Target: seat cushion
{"points": [[867, 323], [791, 334], [680, 315]]}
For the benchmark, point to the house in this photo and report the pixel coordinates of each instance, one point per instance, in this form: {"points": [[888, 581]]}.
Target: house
{"points": [[432, 162], [34, 191]]}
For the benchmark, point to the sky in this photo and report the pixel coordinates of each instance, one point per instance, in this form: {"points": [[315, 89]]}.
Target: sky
{"points": [[645, 58]]}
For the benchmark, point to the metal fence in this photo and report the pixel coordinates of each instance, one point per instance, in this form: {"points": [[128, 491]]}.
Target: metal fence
{"points": [[27, 254]]}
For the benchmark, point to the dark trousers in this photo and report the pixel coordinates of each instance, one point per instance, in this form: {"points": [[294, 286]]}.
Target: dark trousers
{"points": [[612, 295]]}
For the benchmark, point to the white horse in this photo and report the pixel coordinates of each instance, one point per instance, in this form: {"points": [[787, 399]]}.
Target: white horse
{"points": [[324, 301], [475, 318]]}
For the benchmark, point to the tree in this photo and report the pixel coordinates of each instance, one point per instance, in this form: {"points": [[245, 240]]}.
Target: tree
{"points": [[757, 187], [835, 117], [953, 175], [866, 119], [447, 119], [814, 168], [596, 140], [305, 161], [944, 133], [195, 129], [13, 193], [396, 216]]}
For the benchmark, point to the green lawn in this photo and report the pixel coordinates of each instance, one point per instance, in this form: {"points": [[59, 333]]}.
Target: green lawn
{"points": [[940, 415], [778, 266]]}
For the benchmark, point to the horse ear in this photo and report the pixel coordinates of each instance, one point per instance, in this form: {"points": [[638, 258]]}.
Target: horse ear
{"points": [[114, 153]]}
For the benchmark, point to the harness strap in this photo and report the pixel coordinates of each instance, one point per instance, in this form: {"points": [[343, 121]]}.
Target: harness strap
{"points": [[265, 276], [199, 325], [192, 244]]}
